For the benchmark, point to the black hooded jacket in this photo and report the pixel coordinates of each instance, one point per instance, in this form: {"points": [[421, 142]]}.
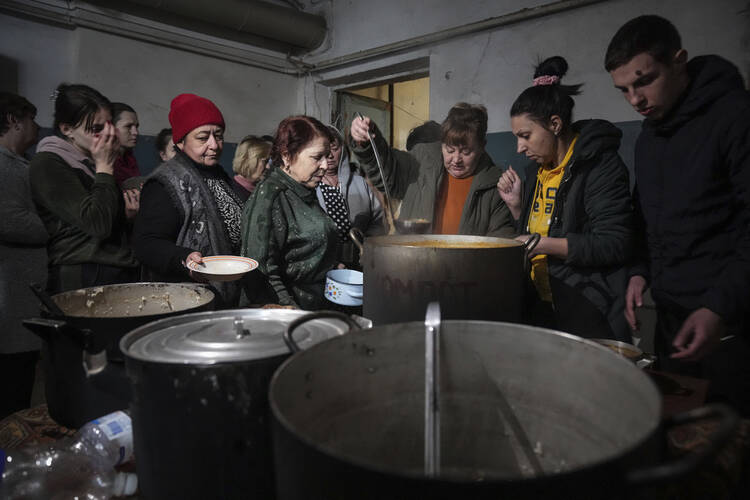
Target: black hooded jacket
{"points": [[593, 210], [692, 172]]}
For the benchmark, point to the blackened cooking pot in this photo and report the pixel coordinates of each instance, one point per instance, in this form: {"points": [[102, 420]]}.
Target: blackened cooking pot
{"points": [[525, 413], [473, 277], [200, 399], [92, 323]]}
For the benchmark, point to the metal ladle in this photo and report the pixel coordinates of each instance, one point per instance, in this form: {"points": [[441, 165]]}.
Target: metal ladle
{"points": [[432, 391], [386, 191], [412, 226]]}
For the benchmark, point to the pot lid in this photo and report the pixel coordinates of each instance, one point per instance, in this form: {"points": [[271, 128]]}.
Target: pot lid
{"points": [[225, 336]]}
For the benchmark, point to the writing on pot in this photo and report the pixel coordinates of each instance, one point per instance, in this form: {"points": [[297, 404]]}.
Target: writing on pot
{"points": [[431, 289]]}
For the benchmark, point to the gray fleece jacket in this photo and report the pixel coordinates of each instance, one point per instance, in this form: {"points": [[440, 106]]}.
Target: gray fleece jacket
{"points": [[365, 210], [23, 254]]}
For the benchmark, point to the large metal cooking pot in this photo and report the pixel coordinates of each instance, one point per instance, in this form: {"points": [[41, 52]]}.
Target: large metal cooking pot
{"points": [[92, 323], [525, 413], [200, 399], [473, 277]]}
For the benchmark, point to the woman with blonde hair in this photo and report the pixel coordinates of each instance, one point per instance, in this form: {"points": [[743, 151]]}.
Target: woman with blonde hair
{"points": [[249, 164]]}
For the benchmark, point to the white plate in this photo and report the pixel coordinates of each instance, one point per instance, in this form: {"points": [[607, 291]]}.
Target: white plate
{"points": [[223, 267]]}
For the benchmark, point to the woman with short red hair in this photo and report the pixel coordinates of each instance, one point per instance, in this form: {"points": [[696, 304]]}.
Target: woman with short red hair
{"points": [[283, 226]]}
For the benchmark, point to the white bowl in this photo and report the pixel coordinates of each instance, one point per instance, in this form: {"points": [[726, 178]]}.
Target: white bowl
{"points": [[344, 287], [223, 267]]}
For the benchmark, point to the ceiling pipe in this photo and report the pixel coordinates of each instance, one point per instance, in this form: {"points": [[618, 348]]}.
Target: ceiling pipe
{"points": [[447, 34], [256, 22]]}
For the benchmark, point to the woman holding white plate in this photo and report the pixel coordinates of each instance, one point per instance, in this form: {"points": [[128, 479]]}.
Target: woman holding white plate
{"points": [[188, 207]]}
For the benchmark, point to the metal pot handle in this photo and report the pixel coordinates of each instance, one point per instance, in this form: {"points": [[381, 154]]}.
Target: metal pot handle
{"points": [[728, 422], [289, 340], [531, 244], [358, 237], [45, 299], [43, 328], [94, 356]]}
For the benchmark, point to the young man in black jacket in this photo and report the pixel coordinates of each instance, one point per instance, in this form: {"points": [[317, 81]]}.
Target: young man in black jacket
{"points": [[692, 170]]}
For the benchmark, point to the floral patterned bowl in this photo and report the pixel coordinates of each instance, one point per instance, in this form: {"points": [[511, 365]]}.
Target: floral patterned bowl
{"points": [[344, 287]]}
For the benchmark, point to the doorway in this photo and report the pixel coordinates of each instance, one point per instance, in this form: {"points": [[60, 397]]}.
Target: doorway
{"points": [[395, 107]]}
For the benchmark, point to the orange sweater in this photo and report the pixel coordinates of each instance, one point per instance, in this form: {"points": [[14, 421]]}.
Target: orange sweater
{"points": [[450, 204]]}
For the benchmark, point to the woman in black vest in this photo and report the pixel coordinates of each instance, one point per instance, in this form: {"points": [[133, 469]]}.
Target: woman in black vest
{"points": [[188, 207]]}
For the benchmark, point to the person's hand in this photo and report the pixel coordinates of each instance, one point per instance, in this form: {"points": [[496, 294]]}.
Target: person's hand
{"points": [[538, 249], [196, 257], [633, 299], [360, 130], [699, 335], [132, 199], [105, 149], [509, 188]]}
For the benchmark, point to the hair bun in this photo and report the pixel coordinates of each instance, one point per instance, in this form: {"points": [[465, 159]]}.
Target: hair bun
{"points": [[552, 66]]}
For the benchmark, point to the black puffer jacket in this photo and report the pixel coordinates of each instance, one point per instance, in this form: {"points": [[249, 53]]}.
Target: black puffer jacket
{"points": [[692, 172], [593, 210]]}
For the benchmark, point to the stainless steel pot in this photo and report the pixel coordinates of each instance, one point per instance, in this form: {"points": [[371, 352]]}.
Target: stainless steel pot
{"points": [[473, 277], [525, 413], [200, 399], [91, 322]]}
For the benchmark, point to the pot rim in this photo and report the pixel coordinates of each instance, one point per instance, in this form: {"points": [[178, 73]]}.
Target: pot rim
{"points": [[282, 315], [358, 462], [204, 290], [345, 283], [402, 240]]}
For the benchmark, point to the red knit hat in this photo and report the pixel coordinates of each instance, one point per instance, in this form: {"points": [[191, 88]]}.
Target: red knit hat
{"points": [[189, 111]]}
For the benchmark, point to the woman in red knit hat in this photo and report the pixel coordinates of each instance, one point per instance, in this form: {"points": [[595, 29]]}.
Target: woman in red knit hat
{"points": [[188, 207]]}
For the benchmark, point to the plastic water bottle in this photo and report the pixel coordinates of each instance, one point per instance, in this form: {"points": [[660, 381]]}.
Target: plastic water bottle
{"points": [[81, 466]]}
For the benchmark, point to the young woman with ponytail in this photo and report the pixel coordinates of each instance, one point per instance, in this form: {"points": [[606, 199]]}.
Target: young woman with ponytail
{"points": [[576, 196]]}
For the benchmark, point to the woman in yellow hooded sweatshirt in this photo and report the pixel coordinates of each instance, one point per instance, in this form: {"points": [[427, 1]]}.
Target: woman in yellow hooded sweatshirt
{"points": [[576, 195]]}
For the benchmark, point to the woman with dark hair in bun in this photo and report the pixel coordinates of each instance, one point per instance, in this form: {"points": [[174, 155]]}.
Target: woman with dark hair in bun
{"points": [[283, 226], [74, 189], [577, 197]]}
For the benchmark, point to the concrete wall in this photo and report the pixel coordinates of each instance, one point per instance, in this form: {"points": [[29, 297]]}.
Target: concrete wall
{"points": [[43, 55], [145, 75], [411, 104], [494, 67], [488, 67]]}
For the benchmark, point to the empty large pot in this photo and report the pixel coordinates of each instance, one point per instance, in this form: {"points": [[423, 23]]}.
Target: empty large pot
{"points": [[473, 277], [94, 320], [525, 413], [200, 399]]}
